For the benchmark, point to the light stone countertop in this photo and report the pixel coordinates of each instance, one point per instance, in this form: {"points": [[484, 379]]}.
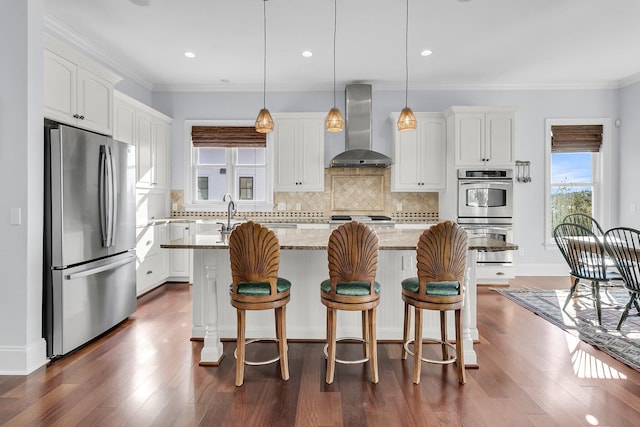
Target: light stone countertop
{"points": [[317, 239]]}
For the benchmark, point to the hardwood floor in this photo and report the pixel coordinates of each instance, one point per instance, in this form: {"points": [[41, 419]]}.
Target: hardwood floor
{"points": [[145, 372]]}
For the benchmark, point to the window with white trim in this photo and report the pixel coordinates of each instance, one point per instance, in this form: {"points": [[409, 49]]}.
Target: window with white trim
{"points": [[576, 162], [227, 159]]}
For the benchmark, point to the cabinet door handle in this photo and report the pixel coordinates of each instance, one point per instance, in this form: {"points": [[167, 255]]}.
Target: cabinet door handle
{"points": [[81, 117], [75, 116], [149, 242], [150, 272]]}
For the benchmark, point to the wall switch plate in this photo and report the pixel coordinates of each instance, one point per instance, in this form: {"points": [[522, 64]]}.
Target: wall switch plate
{"points": [[399, 207], [16, 216], [298, 206], [174, 207], [632, 208], [282, 206]]}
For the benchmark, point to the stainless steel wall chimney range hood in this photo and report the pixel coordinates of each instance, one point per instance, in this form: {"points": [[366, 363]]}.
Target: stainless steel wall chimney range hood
{"points": [[358, 152]]}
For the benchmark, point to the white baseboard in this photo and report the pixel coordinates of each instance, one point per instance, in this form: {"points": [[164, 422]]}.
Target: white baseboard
{"points": [[542, 269], [23, 360]]}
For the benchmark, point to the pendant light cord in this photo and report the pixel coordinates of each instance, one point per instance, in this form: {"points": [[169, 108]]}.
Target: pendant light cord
{"points": [[406, 58], [335, 19], [264, 68]]}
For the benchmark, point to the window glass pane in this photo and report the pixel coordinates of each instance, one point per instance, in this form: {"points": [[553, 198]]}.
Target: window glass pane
{"points": [[571, 168], [566, 200], [211, 183], [259, 181], [251, 156], [212, 156], [245, 188]]}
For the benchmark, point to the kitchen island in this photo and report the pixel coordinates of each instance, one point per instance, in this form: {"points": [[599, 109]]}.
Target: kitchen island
{"points": [[303, 260]]}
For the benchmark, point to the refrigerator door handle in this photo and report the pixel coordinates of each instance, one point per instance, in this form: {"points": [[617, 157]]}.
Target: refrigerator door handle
{"points": [[102, 195], [112, 199], [100, 269]]}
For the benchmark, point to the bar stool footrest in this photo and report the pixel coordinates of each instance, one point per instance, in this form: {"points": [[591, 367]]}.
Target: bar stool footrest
{"points": [[346, 362], [432, 341], [260, 363]]}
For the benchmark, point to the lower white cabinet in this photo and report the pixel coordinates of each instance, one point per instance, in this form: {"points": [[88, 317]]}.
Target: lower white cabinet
{"points": [[181, 268], [150, 271]]}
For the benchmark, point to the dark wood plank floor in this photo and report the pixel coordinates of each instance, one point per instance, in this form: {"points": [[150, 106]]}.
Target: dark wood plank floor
{"points": [[145, 372]]}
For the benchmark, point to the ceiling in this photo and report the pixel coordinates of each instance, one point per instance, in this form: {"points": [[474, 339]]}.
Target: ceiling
{"points": [[525, 44]]}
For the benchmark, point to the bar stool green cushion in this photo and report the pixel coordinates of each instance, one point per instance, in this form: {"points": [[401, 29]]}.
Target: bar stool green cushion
{"points": [[351, 289], [433, 288], [261, 288]]}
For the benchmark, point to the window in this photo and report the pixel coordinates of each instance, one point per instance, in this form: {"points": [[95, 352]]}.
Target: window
{"points": [[225, 158], [577, 165]]}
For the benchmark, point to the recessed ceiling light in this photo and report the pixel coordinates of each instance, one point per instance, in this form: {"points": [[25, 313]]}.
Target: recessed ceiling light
{"points": [[190, 54], [140, 2], [307, 54], [426, 52]]}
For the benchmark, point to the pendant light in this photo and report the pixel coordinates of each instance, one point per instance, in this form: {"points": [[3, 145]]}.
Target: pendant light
{"points": [[334, 122], [264, 121], [407, 120]]}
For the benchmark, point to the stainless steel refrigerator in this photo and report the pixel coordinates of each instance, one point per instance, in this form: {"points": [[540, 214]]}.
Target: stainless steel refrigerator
{"points": [[89, 236]]}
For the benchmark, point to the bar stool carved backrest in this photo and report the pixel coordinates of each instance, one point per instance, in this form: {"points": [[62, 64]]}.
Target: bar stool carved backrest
{"points": [[254, 253], [353, 262], [441, 259]]}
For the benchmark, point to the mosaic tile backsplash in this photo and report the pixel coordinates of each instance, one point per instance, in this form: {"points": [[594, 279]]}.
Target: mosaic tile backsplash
{"points": [[358, 191]]}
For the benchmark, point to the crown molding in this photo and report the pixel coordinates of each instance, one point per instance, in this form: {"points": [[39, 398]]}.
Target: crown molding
{"points": [[63, 33]]}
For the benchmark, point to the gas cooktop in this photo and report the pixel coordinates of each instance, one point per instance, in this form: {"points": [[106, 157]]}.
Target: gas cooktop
{"points": [[379, 220]]}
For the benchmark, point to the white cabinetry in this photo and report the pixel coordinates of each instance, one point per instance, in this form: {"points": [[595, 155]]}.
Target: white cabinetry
{"points": [[298, 146], [149, 131], [181, 260], [420, 155], [483, 136], [151, 268], [77, 91]]}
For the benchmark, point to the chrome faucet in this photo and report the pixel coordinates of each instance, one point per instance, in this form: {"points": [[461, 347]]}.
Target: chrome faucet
{"points": [[231, 211]]}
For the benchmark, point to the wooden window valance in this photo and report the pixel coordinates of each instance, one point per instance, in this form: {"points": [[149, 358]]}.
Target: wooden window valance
{"points": [[576, 139], [227, 137]]}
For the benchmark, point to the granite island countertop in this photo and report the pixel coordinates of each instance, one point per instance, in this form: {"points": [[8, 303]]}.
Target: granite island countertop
{"points": [[317, 239]]}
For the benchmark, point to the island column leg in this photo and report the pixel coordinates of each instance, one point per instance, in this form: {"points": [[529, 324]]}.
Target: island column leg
{"points": [[469, 324], [212, 352]]}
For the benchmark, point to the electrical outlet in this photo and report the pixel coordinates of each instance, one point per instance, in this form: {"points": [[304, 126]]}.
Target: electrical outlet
{"points": [[399, 207], [282, 206], [406, 262], [298, 206], [174, 207]]}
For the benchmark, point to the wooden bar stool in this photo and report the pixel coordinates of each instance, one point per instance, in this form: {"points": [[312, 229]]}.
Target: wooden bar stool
{"points": [[353, 261], [441, 258], [255, 258]]}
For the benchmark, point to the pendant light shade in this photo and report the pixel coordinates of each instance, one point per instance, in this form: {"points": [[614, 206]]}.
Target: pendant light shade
{"points": [[407, 120], [264, 121], [334, 122]]}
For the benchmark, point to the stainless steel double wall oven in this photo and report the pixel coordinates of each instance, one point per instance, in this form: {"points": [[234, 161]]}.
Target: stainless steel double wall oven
{"points": [[485, 209]]}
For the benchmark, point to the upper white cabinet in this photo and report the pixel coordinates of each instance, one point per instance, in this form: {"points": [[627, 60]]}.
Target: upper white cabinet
{"points": [[483, 136], [149, 130], [77, 91], [298, 146], [419, 162]]}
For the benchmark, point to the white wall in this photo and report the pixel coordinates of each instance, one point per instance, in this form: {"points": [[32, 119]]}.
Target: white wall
{"points": [[534, 106], [22, 348], [630, 156]]}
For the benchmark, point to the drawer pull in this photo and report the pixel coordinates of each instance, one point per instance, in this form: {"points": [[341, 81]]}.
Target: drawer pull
{"points": [[150, 272]]}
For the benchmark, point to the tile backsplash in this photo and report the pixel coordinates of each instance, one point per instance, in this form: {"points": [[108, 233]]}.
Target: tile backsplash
{"points": [[363, 191]]}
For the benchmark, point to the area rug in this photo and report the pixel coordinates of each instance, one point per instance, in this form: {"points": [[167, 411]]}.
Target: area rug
{"points": [[580, 319]]}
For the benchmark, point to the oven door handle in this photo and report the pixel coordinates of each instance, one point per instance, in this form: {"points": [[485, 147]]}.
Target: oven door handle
{"points": [[485, 182]]}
